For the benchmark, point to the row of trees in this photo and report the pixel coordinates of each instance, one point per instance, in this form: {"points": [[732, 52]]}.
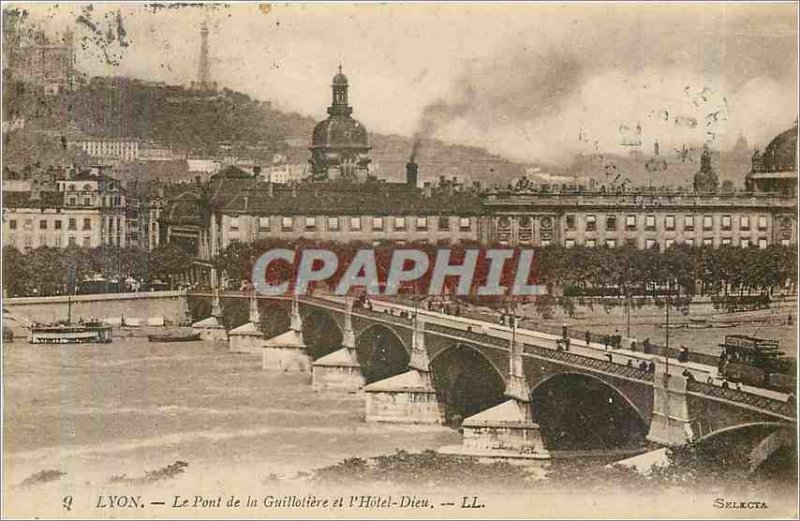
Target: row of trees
{"points": [[49, 271], [680, 271]]}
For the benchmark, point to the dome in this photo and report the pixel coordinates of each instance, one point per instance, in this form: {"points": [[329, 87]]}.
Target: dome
{"points": [[339, 132], [781, 153], [340, 79]]}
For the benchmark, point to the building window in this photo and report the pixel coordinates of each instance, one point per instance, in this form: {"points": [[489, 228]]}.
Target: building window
{"points": [[399, 223], [87, 201], [669, 222], [311, 223], [71, 240], [87, 224], [263, 223], [689, 242], [28, 224], [422, 223], [570, 222], [631, 242], [444, 224], [465, 224], [744, 244], [785, 242], [377, 223], [688, 223], [650, 244], [650, 222], [87, 241], [355, 223], [708, 242], [708, 222], [726, 241], [72, 201], [590, 243], [333, 224], [233, 224], [287, 223], [668, 243], [28, 242], [545, 243], [611, 243], [57, 241], [762, 243], [42, 225], [725, 222], [591, 223], [630, 222], [611, 223], [72, 223], [12, 224], [42, 240], [57, 224], [762, 222], [569, 243], [744, 222]]}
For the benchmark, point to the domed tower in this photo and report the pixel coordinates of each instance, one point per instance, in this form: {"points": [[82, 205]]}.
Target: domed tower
{"points": [[776, 169], [339, 144]]}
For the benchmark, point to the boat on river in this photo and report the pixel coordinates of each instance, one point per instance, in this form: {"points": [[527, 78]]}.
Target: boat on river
{"points": [[189, 337], [90, 332], [68, 332]]}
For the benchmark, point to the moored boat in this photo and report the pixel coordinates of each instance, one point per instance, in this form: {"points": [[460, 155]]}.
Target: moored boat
{"points": [[94, 332], [189, 337]]}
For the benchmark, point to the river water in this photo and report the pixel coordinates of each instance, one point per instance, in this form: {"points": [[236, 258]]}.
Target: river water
{"points": [[98, 411], [105, 414]]}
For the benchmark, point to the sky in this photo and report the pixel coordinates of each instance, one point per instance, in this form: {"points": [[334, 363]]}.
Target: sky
{"points": [[537, 82]]}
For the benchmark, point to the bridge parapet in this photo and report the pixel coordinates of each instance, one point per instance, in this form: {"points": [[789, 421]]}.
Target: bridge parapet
{"points": [[383, 316], [467, 335], [734, 395], [593, 363]]}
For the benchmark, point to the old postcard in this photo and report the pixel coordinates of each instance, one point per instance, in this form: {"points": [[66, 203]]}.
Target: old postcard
{"points": [[399, 260]]}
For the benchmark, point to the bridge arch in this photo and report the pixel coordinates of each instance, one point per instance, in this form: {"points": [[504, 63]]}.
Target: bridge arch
{"points": [[764, 447], [466, 381], [322, 334], [381, 352], [580, 411], [275, 318]]}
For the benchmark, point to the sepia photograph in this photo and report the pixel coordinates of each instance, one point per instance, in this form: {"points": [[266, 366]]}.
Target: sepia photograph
{"points": [[399, 260]]}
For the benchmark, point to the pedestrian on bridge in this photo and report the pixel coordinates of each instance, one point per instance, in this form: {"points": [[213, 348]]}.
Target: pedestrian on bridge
{"points": [[588, 337]]}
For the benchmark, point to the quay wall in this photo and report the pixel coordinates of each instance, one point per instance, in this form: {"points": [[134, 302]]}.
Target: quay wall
{"points": [[133, 307]]}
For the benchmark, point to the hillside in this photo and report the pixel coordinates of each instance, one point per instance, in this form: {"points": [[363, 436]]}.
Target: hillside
{"points": [[226, 123]]}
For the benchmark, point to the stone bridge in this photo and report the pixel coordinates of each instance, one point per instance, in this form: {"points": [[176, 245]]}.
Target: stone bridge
{"points": [[514, 391]]}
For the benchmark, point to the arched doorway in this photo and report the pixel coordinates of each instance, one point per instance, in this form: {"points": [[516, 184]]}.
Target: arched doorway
{"points": [[466, 383], [381, 353], [321, 334], [580, 412]]}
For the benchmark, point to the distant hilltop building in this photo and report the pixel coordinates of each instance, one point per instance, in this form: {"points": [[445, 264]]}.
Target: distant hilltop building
{"points": [[340, 144], [775, 170], [41, 62]]}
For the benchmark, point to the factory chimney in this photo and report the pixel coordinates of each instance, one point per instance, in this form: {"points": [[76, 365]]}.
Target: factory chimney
{"points": [[412, 173]]}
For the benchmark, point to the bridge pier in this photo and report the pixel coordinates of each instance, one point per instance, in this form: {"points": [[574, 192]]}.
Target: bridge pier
{"points": [[287, 351], [505, 431], [408, 397], [670, 423], [211, 327], [340, 369], [247, 338]]}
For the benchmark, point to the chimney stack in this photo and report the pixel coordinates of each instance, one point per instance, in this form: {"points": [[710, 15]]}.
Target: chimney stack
{"points": [[412, 173]]}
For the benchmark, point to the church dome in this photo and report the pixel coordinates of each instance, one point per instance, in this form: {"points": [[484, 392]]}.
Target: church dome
{"points": [[781, 153], [339, 132], [340, 79]]}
